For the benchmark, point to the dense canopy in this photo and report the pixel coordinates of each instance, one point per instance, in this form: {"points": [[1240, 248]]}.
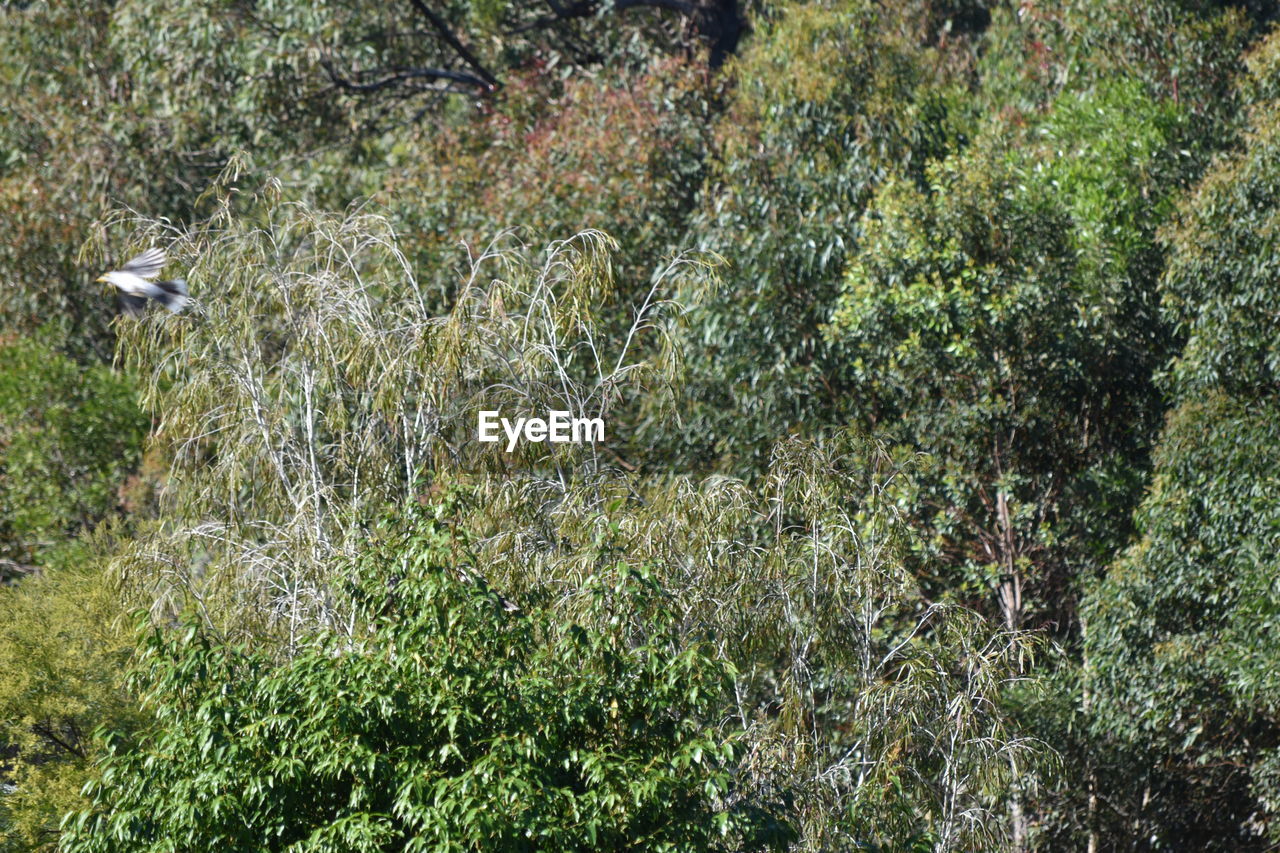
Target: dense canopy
{"points": [[935, 349]]}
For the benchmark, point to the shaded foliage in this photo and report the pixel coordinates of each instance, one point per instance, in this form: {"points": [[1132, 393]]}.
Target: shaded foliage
{"points": [[1181, 647], [1181, 641], [68, 437], [621, 153]]}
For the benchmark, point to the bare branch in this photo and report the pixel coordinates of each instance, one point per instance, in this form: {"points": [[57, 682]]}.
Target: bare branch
{"points": [[403, 75], [461, 49]]}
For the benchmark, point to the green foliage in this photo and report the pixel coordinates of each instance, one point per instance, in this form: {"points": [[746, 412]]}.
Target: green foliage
{"points": [[881, 711], [1181, 644], [1182, 638], [548, 156], [58, 167], [842, 659], [829, 98], [258, 65], [998, 319], [1218, 288], [1187, 51], [1112, 155], [69, 436], [442, 723], [318, 383], [62, 657], [140, 105], [938, 221], [1006, 318], [323, 92]]}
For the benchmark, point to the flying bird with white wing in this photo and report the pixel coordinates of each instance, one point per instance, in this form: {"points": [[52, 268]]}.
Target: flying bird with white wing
{"points": [[136, 286]]}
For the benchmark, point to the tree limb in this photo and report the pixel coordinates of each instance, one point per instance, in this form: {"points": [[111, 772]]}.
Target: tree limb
{"points": [[46, 730], [11, 571], [403, 75], [461, 49], [587, 8]]}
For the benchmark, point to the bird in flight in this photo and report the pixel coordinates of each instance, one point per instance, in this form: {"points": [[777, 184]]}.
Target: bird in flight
{"points": [[136, 286]]}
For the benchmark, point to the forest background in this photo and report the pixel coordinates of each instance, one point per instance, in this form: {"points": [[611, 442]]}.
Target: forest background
{"points": [[940, 506]]}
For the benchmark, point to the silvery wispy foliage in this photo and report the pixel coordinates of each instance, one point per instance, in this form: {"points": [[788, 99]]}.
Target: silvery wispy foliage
{"points": [[877, 709], [317, 381]]}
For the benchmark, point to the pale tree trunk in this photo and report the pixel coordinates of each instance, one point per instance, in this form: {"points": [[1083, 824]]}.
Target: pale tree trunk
{"points": [[1010, 593], [1010, 590], [1091, 773]]}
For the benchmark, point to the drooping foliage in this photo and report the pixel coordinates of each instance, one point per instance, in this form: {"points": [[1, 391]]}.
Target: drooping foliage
{"points": [[881, 711], [318, 383]]}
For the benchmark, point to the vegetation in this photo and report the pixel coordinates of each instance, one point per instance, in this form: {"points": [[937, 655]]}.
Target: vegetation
{"points": [[1188, 611], [445, 722], [935, 344]]}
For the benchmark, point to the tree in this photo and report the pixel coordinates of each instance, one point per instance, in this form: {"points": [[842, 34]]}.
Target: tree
{"points": [[1180, 649], [64, 646], [828, 99], [319, 382], [60, 167], [332, 67], [444, 722], [316, 387], [883, 713], [1003, 320]]}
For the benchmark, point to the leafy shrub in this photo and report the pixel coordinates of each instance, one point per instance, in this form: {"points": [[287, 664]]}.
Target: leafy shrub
{"points": [[443, 722], [64, 646], [69, 435]]}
